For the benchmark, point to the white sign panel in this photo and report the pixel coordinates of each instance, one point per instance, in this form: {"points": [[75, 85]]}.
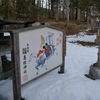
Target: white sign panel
{"points": [[40, 51]]}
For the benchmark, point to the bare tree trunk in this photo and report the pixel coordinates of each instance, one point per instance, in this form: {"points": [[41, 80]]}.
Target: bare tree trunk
{"points": [[67, 12], [72, 16], [0, 4], [78, 15], [88, 18], [39, 5], [46, 8], [92, 19], [49, 7], [57, 13], [33, 2], [42, 3]]}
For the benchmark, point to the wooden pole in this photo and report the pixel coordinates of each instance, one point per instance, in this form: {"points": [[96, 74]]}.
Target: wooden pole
{"points": [[15, 67]]}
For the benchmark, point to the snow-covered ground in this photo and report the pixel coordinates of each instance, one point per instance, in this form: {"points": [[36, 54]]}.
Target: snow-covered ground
{"points": [[72, 85]]}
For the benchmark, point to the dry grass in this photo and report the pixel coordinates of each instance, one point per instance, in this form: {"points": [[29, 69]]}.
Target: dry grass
{"points": [[74, 26], [84, 43]]}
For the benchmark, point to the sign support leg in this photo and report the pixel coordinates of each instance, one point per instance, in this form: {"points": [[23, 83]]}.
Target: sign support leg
{"points": [[0, 67], [62, 68], [15, 70]]}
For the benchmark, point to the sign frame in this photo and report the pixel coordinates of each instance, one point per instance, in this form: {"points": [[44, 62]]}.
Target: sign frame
{"points": [[14, 35]]}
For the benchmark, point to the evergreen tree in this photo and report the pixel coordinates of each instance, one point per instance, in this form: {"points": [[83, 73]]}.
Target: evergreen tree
{"points": [[6, 9]]}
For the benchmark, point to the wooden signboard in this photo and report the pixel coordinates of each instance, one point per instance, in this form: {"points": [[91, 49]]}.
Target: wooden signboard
{"points": [[36, 51]]}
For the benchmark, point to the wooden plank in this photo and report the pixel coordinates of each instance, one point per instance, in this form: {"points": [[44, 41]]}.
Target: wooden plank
{"points": [[5, 51], [0, 64], [15, 67], [62, 68], [64, 44]]}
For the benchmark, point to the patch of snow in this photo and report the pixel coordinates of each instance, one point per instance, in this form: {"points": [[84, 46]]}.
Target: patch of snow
{"points": [[72, 85]]}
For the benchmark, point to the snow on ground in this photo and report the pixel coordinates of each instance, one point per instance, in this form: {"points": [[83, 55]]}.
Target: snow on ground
{"points": [[72, 85], [82, 37]]}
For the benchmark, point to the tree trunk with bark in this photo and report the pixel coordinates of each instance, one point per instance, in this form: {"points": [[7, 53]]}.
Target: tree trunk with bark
{"points": [[57, 13], [78, 15], [67, 12]]}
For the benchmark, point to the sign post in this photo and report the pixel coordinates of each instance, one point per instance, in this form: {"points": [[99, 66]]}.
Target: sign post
{"points": [[62, 68], [15, 67]]}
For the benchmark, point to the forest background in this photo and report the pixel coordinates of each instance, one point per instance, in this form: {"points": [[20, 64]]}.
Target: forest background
{"points": [[70, 15]]}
